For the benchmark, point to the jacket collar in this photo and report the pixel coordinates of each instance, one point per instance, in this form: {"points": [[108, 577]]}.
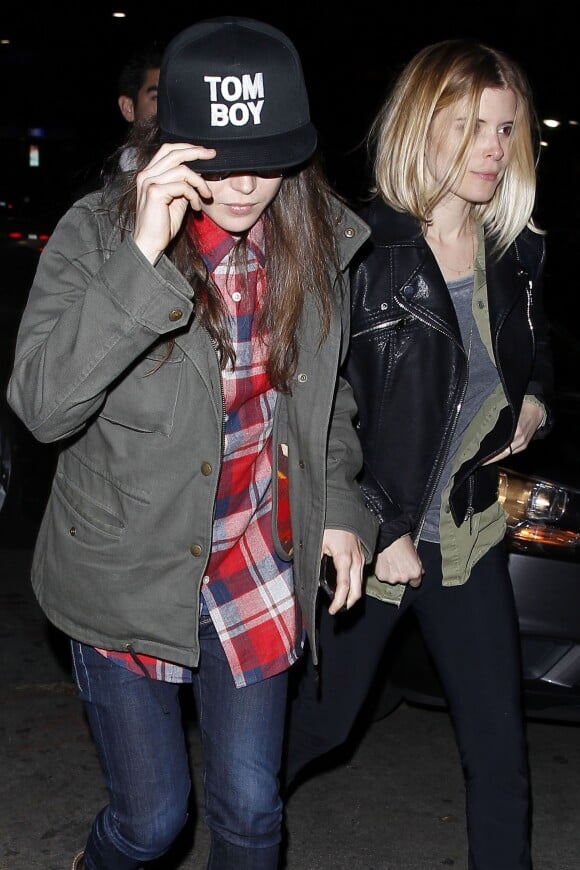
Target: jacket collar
{"points": [[389, 226], [351, 232]]}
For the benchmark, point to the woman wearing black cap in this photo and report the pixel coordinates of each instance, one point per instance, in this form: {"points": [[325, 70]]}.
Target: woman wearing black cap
{"points": [[182, 339]]}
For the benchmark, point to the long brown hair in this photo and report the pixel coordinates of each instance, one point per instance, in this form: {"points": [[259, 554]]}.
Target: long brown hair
{"points": [[301, 257]]}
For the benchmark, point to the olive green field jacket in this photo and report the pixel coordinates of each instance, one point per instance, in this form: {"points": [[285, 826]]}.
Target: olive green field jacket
{"points": [[126, 535]]}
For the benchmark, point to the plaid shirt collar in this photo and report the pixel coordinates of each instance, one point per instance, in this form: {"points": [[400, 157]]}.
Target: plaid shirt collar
{"points": [[251, 596], [216, 243]]}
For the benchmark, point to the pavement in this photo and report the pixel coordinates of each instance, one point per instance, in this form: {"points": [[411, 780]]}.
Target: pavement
{"points": [[394, 802]]}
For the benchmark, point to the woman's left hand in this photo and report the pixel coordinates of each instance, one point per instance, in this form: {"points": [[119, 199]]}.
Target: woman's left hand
{"points": [[529, 421], [346, 552]]}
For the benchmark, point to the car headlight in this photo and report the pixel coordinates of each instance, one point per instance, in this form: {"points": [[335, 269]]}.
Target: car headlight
{"points": [[542, 516]]}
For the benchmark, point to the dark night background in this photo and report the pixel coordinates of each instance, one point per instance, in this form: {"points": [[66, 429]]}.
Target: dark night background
{"points": [[59, 72]]}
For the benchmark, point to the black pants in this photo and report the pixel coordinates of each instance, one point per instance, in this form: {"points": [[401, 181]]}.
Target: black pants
{"points": [[471, 632]]}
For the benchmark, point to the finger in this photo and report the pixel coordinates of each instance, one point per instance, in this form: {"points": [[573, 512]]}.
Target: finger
{"points": [[176, 159], [335, 606], [164, 183], [348, 584], [339, 599], [180, 152]]}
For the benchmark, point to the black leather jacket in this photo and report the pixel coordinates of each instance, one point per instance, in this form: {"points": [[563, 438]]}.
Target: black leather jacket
{"points": [[408, 367]]}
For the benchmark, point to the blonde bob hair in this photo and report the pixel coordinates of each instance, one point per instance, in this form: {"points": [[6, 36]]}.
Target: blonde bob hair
{"points": [[435, 78]]}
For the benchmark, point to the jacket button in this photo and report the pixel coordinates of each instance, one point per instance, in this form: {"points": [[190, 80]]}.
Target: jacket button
{"points": [[72, 531], [175, 314], [302, 378], [481, 304], [206, 469], [195, 549], [349, 233]]}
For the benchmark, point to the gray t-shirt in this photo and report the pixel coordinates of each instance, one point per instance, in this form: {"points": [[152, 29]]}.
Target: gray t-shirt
{"points": [[482, 379]]}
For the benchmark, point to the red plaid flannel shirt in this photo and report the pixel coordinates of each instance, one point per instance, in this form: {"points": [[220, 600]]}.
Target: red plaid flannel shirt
{"points": [[248, 590]]}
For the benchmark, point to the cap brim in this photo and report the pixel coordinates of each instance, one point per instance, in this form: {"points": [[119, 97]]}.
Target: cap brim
{"points": [[282, 151]]}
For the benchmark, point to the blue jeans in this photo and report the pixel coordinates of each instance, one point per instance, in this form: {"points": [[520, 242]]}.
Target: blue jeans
{"points": [[136, 723], [472, 634]]}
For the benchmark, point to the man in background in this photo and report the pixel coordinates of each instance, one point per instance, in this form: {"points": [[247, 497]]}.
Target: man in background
{"points": [[137, 100], [137, 85], [137, 90]]}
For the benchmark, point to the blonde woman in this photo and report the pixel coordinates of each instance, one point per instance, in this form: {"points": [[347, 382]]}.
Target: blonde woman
{"points": [[450, 368]]}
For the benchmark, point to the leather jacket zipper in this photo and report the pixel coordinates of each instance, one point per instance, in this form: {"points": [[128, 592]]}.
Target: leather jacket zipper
{"points": [[444, 454], [470, 509], [379, 327]]}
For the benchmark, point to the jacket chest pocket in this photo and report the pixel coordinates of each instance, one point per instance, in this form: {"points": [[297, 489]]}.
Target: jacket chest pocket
{"points": [[145, 398], [386, 324]]}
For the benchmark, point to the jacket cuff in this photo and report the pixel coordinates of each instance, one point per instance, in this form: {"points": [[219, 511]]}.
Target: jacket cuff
{"points": [[392, 531]]}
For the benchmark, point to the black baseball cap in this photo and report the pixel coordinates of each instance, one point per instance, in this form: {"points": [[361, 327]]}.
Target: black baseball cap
{"points": [[236, 85]]}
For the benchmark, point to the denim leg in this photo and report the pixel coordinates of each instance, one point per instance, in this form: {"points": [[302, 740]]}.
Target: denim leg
{"points": [[137, 728], [472, 634], [226, 856], [242, 733]]}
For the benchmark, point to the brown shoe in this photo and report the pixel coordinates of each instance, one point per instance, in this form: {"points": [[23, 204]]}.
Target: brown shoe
{"points": [[78, 863]]}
